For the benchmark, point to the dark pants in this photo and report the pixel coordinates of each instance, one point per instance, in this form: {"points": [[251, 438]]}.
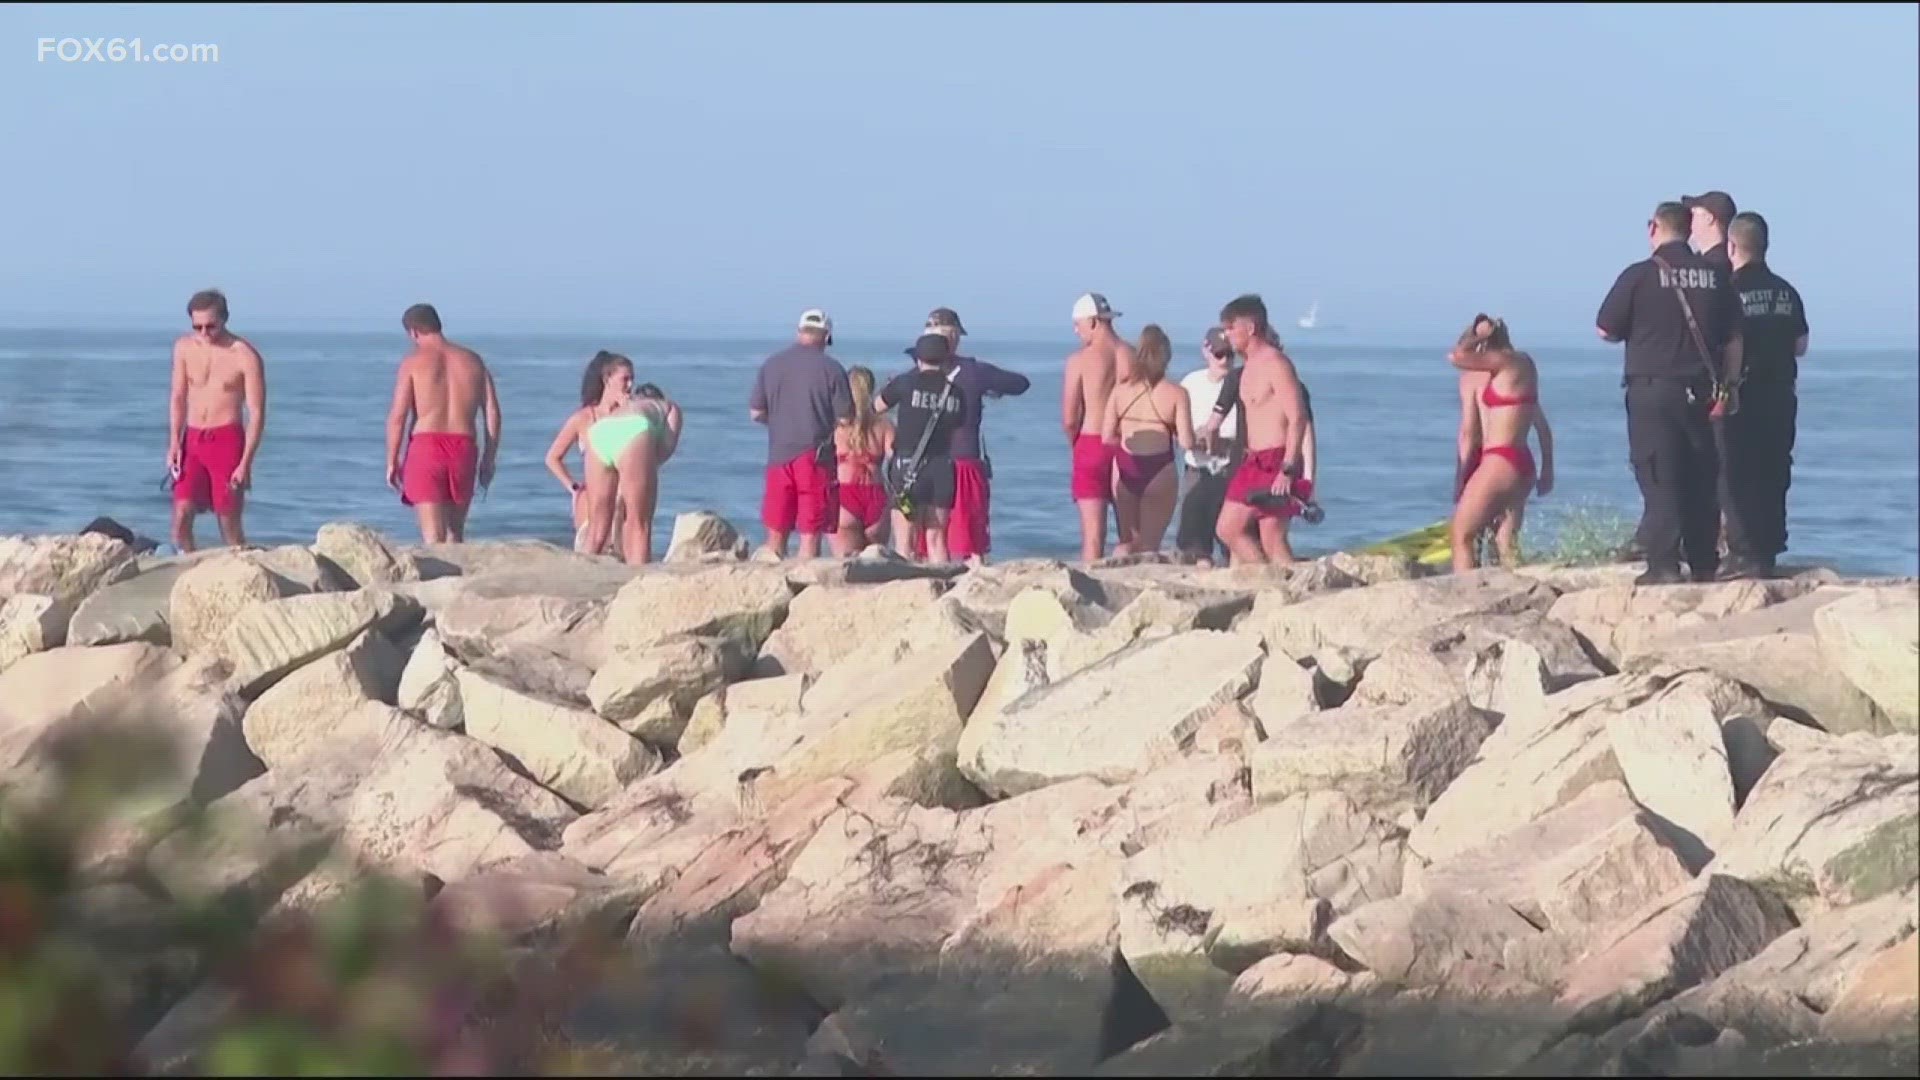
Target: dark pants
{"points": [[1200, 507], [1671, 442], [1757, 469]]}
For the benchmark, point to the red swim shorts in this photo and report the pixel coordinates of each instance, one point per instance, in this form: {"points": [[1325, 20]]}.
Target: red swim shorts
{"points": [[208, 457], [439, 468], [866, 502], [1092, 469], [968, 532], [1256, 473], [802, 496]]}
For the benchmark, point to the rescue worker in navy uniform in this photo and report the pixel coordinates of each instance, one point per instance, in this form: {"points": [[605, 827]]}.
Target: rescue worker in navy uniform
{"points": [[1707, 229], [1712, 213], [1759, 437], [1680, 318]]}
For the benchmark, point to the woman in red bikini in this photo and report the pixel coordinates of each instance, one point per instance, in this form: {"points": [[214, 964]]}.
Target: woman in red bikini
{"points": [[859, 445], [1499, 407], [1146, 414]]}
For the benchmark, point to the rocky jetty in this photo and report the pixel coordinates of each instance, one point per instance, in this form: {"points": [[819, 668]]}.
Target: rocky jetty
{"points": [[1335, 819]]}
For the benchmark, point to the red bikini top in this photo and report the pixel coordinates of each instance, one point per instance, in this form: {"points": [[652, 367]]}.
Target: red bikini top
{"points": [[1494, 400], [862, 462]]}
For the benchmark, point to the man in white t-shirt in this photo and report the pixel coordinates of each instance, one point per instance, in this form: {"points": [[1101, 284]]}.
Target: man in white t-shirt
{"points": [[1209, 464]]}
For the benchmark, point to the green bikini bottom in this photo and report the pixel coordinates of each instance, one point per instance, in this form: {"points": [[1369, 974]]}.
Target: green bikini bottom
{"points": [[609, 438]]}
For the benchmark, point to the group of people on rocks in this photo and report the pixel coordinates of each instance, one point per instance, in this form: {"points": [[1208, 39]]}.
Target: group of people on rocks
{"points": [[1712, 340]]}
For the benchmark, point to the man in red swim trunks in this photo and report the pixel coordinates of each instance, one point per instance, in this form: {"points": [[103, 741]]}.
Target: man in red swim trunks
{"points": [[442, 387], [800, 393], [209, 454], [1274, 406], [969, 529], [1092, 370]]}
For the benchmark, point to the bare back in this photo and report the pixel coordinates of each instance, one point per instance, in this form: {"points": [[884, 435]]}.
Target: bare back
{"points": [[1091, 373], [1149, 416], [1266, 386], [215, 377], [448, 383], [1514, 389]]}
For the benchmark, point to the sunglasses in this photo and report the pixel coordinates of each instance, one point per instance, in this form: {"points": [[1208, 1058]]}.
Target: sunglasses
{"points": [[206, 328]]}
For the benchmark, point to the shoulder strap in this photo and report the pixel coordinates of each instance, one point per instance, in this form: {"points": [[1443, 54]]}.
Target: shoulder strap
{"points": [[1693, 328], [912, 466]]}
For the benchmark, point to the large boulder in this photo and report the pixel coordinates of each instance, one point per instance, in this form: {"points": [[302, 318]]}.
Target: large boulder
{"points": [[700, 536], [269, 638], [556, 610], [1835, 823], [1114, 720], [134, 607], [920, 706], [1782, 994], [825, 624], [743, 604], [1195, 913], [416, 801], [570, 751], [1499, 663], [984, 593], [208, 597], [1653, 731], [305, 712], [30, 623], [908, 920], [1773, 650], [1679, 940], [1883, 1002], [1388, 758], [1361, 624], [1587, 864], [651, 692], [764, 700], [1873, 638], [428, 690], [66, 568], [1621, 620], [363, 555], [167, 729]]}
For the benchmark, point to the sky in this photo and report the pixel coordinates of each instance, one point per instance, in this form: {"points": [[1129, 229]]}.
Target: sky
{"points": [[708, 166]]}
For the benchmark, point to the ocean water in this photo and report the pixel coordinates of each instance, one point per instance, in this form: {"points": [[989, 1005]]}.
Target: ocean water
{"points": [[83, 417]]}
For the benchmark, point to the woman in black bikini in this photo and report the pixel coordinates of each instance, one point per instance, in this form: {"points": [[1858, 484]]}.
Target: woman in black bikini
{"points": [[1145, 415]]}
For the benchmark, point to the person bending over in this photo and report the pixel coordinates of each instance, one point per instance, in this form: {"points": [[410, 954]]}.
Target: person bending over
{"points": [[626, 448]]}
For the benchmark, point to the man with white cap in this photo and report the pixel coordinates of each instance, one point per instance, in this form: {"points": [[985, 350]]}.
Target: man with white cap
{"points": [[1103, 357], [801, 393]]}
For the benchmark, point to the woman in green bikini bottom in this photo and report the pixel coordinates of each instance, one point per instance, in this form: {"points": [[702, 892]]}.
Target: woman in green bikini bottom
{"points": [[626, 448]]}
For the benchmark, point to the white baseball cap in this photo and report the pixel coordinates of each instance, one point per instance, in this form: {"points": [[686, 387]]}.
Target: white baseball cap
{"points": [[815, 319], [1093, 306]]}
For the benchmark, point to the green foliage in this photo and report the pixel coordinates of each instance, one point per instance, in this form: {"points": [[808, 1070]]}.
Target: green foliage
{"points": [[1586, 533], [378, 982]]}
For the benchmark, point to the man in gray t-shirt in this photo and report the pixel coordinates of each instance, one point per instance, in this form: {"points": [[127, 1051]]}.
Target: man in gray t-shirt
{"points": [[800, 394]]}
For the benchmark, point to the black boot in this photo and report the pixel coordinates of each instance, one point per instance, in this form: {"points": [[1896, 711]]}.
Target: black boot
{"points": [[1746, 568], [1661, 575]]}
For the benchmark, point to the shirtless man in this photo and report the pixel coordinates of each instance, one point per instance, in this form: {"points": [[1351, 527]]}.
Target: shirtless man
{"points": [[209, 456], [1273, 405], [441, 387], [1102, 359]]}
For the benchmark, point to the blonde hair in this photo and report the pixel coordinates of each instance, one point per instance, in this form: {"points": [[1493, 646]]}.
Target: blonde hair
{"points": [[1154, 353], [865, 421]]}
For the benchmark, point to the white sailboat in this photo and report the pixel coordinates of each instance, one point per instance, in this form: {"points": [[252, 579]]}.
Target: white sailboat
{"points": [[1312, 318]]}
